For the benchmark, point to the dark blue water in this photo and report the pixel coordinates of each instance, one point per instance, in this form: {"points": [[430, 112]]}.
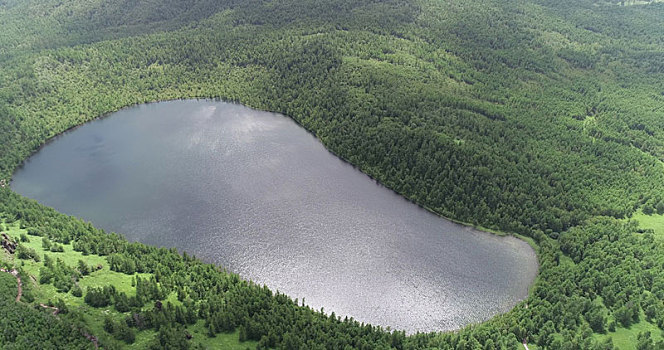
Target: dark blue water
{"points": [[254, 192]]}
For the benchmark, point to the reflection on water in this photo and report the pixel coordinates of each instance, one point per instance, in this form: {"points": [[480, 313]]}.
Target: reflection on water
{"points": [[254, 192]]}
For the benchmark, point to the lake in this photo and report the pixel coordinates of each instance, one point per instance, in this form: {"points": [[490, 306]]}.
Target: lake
{"points": [[257, 194]]}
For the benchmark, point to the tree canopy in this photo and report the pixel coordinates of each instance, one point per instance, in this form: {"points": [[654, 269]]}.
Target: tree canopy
{"points": [[536, 117]]}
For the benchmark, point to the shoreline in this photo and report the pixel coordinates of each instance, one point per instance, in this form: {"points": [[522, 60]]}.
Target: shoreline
{"points": [[464, 225]]}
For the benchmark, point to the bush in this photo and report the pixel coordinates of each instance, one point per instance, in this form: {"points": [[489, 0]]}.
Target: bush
{"points": [[45, 275], [596, 319], [46, 243], [26, 253], [124, 333], [57, 248], [62, 307], [62, 282], [34, 232], [99, 296], [121, 302], [660, 207], [83, 268]]}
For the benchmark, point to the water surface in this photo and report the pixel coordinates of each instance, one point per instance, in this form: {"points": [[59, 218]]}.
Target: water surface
{"points": [[254, 192]]}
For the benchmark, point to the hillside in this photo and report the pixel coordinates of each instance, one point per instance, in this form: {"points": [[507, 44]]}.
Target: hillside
{"points": [[541, 118]]}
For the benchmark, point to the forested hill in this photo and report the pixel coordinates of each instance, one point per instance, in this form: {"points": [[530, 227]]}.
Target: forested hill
{"points": [[543, 118]]}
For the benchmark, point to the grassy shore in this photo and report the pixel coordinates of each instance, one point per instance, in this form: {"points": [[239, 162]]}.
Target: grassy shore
{"points": [[94, 317]]}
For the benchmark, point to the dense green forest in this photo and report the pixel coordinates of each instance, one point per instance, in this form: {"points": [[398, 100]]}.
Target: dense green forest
{"points": [[536, 117]]}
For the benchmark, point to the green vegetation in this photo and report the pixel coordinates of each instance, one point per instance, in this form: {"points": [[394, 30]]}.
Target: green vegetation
{"points": [[25, 327], [536, 117], [624, 338], [109, 296], [654, 222]]}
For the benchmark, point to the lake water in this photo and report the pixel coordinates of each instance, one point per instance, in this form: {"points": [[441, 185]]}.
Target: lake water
{"points": [[254, 192]]}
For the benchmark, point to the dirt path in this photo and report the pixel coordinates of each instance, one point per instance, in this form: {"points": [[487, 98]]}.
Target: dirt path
{"points": [[93, 339], [55, 309], [525, 345], [20, 285], [14, 273]]}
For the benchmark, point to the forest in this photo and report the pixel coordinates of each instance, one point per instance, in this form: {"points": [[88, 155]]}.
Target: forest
{"points": [[533, 117]]}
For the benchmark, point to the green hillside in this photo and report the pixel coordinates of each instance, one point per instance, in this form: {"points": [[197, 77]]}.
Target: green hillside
{"points": [[533, 117]]}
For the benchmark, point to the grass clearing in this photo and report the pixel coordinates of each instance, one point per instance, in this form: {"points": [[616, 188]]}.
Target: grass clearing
{"points": [[229, 341], [654, 222], [625, 338]]}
